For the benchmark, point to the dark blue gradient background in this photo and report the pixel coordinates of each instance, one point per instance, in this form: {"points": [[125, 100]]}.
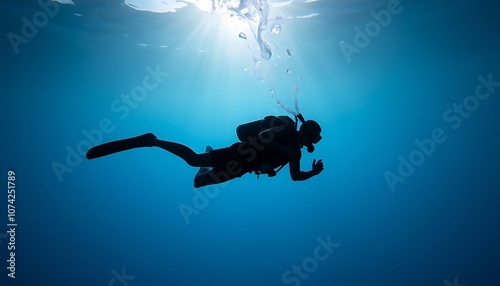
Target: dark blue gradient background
{"points": [[122, 211]]}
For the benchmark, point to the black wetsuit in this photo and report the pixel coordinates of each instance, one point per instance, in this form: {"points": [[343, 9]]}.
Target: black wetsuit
{"points": [[245, 157]]}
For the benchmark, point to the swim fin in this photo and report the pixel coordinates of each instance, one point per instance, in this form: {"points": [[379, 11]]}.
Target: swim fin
{"points": [[145, 140]]}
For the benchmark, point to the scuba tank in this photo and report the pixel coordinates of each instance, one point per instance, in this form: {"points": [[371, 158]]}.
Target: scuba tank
{"points": [[248, 130], [252, 129]]}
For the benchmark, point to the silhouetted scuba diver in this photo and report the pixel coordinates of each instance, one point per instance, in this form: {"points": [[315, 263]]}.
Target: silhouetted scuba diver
{"points": [[266, 146]]}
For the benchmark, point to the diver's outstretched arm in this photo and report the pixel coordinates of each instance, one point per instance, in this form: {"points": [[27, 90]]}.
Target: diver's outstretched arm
{"points": [[297, 175]]}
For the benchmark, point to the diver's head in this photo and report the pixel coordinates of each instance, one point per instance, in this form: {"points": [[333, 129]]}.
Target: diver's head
{"points": [[310, 133]]}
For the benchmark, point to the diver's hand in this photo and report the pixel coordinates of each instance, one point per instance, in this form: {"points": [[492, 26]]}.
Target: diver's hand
{"points": [[317, 167]]}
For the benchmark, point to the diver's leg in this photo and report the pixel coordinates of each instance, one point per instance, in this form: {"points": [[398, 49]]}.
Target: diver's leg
{"points": [[145, 140], [184, 152], [203, 170], [211, 177]]}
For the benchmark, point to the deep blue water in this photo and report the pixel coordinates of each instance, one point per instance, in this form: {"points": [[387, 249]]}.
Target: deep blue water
{"points": [[89, 222]]}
